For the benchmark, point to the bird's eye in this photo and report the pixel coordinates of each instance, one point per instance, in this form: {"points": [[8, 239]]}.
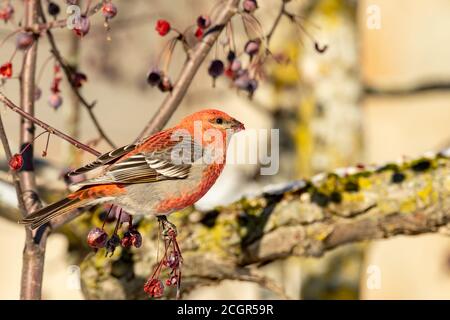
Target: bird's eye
{"points": [[219, 120]]}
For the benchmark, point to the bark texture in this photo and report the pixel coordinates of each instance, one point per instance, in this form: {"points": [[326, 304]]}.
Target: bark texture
{"points": [[302, 218]]}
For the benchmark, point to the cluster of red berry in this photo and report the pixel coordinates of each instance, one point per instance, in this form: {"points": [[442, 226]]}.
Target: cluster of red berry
{"points": [[98, 238], [243, 78], [244, 69], [6, 70], [83, 25], [24, 40], [55, 99]]}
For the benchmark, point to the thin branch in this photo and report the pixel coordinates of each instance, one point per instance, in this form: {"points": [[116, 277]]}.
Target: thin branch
{"points": [[69, 72], [414, 89], [190, 69], [39, 27], [46, 126]]}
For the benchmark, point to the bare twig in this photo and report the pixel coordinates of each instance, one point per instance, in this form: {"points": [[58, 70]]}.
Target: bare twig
{"points": [[46, 126], [39, 27], [190, 69], [276, 22], [35, 243], [34, 251]]}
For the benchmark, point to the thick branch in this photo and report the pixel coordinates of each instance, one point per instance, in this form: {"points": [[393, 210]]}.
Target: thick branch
{"points": [[68, 71], [276, 22], [61, 23], [189, 70], [303, 218]]}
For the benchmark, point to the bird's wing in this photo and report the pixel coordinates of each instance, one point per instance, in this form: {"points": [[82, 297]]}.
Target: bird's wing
{"points": [[172, 162], [104, 159]]}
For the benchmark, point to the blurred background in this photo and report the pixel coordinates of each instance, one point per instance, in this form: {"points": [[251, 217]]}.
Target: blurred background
{"points": [[378, 93]]}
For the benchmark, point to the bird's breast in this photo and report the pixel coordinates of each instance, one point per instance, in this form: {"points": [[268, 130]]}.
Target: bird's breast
{"points": [[195, 189], [167, 196]]}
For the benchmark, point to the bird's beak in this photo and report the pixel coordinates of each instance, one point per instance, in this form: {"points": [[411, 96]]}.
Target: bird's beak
{"points": [[237, 126]]}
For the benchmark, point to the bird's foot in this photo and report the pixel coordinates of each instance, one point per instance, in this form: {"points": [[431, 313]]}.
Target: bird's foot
{"points": [[169, 229]]}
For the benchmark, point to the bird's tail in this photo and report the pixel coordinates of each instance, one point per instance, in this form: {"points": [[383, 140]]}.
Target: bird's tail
{"points": [[44, 215]]}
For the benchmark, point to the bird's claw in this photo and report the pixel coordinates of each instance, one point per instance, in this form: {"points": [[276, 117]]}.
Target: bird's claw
{"points": [[169, 229]]}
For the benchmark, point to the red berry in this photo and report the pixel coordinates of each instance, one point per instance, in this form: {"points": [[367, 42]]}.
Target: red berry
{"points": [[172, 260], [55, 84], [231, 56], [244, 82], [112, 244], [6, 12], [155, 288], [37, 93], [252, 47], [203, 22], [252, 86], [199, 33], [55, 101], [82, 27], [109, 10], [229, 73], [126, 241], [78, 79], [165, 84], [16, 162], [24, 40], [154, 77], [250, 5], [162, 27], [96, 238], [236, 65], [6, 70], [53, 9]]}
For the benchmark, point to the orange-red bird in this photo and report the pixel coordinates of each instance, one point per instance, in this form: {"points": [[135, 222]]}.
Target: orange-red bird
{"points": [[165, 172]]}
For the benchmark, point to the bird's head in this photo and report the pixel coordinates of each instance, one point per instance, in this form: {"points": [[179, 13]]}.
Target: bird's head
{"points": [[212, 119]]}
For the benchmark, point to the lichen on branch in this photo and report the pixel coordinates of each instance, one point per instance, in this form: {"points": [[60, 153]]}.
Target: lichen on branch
{"points": [[302, 218]]}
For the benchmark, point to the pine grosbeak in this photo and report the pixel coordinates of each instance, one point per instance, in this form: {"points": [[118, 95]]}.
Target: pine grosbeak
{"points": [[165, 172]]}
